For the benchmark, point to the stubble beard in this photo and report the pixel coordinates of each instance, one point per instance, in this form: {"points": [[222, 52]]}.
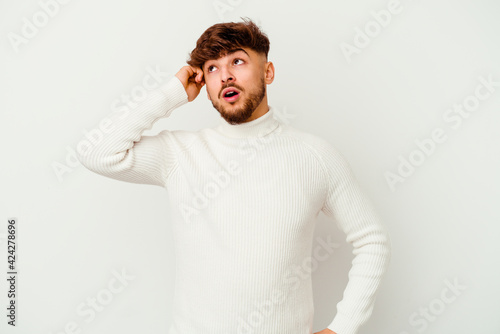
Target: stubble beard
{"points": [[240, 115]]}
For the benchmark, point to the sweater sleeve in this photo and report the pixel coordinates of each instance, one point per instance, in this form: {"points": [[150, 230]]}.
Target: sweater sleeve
{"points": [[354, 214], [119, 150]]}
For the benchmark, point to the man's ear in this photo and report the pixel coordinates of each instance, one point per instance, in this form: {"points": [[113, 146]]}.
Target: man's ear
{"points": [[269, 75]]}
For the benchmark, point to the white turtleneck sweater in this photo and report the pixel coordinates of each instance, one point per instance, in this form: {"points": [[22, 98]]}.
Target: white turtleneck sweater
{"points": [[244, 202]]}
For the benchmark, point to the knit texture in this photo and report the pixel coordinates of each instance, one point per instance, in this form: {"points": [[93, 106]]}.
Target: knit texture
{"points": [[244, 200]]}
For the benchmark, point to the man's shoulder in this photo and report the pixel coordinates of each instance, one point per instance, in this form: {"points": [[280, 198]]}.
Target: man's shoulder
{"points": [[315, 142], [326, 152], [183, 139]]}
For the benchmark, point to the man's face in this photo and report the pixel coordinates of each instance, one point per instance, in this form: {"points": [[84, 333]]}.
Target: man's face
{"points": [[243, 70]]}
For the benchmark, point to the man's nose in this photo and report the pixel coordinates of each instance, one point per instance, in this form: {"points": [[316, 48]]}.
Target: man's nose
{"points": [[226, 75]]}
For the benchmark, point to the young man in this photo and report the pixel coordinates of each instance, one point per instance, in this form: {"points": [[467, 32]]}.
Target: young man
{"points": [[244, 196]]}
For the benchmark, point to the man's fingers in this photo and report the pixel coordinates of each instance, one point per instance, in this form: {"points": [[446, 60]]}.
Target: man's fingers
{"points": [[199, 77], [195, 75], [190, 70]]}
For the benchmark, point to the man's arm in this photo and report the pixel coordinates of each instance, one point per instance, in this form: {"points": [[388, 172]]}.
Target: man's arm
{"points": [[355, 216], [122, 152]]}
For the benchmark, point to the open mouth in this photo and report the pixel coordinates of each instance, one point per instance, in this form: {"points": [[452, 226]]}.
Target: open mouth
{"points": [[231, 95]]}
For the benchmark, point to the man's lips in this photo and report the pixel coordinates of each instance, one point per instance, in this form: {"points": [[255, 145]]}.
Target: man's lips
{"points": [[234, 94]]}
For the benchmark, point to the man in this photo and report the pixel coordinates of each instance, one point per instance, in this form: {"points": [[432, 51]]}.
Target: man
{"points": [[244, 196]]}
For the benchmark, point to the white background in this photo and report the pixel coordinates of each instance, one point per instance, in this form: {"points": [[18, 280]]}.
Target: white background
{"points": [[75, 228]]}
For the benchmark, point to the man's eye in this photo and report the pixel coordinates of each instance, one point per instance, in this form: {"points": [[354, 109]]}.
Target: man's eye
{"points": [[209, 67]]}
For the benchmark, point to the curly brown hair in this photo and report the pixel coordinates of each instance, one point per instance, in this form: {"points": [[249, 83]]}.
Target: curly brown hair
{"points": [[222, 38]]}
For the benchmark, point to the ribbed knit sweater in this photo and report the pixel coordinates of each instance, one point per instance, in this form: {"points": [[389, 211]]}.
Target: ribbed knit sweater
{"points": [[244, 201]]}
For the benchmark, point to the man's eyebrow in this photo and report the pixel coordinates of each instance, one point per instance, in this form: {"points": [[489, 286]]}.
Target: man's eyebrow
{"points": [[236, 50], [230, 52]]}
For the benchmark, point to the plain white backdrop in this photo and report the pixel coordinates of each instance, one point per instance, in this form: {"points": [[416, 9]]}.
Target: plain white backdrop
{"points": [[399, 87]]}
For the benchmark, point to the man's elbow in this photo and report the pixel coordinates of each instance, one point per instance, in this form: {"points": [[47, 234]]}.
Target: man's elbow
{"points": [[100, 162]]}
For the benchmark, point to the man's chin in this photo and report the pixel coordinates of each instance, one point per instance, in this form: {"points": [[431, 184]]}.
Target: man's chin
{"points": [[233, 115]]}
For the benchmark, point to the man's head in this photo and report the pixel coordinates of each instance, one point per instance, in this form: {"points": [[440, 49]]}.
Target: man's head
{"points": [[234, 56]]}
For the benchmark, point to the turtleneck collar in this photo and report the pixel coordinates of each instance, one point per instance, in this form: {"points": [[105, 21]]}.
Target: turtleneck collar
{"points": [[258, 127]]}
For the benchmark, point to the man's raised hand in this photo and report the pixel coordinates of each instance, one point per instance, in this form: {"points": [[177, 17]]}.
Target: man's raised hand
{"points": [[192, 79]]}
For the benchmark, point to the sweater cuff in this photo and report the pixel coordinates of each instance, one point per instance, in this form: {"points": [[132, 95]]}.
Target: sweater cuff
{"points": [[175, 93], [343, 325]]}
